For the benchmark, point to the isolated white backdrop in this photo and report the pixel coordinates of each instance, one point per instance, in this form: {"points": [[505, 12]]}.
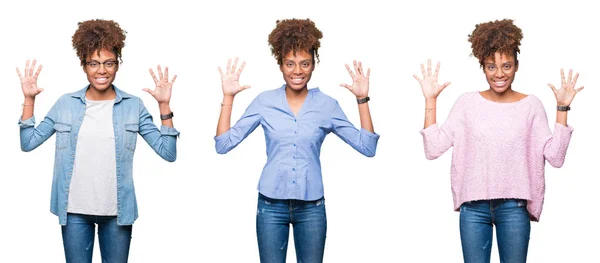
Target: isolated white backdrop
{"points": [[395, 207]]}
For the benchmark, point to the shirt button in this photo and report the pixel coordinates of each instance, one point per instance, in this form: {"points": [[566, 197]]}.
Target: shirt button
{"points": [[295, 132], [294, 157], [294, 182], [294, 120], [294, 145], [293, 169]]}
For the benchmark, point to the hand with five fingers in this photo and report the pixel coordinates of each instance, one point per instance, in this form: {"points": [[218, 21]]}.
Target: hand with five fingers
{"points": [[566, 93], [429, 84], [29, 80], [230, 80], [360, 81], [162, 92]]}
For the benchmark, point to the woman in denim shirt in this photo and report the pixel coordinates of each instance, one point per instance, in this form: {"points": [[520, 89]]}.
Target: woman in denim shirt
{"points": [[97, 129], [295, 121]]}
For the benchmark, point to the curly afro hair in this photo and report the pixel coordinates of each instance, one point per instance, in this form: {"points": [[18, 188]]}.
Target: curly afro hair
{"points": [[293, 35], [497, 36], [94, 35]]}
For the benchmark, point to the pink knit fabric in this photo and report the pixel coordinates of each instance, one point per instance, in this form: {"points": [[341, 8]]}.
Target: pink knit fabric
{"points": [[499, 149]]}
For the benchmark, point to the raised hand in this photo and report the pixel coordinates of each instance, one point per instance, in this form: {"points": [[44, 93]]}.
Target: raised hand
{"points": [[162, 92], [230, 80], [29, 80], [429, 84], [566, 93], [360, 81]]}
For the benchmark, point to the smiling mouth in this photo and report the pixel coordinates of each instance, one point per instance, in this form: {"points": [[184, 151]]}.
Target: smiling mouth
{"points": [[101, 80], [500, 83], [297, 80]]}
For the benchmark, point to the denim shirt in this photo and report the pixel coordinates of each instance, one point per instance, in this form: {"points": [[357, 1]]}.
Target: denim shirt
{"points": [[293, 168], [130, 117]]}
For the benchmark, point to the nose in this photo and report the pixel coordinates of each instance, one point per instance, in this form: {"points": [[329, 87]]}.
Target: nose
{"points": [[499, 72], [297, 69], [101, 69]]}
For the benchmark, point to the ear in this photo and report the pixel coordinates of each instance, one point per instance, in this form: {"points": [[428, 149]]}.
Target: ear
{"points": [[281, 67], [84, 69], [517, 66]]}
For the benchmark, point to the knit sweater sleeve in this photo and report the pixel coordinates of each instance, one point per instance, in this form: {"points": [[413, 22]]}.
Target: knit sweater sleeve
{"points": [[437, 140], [554, 145]]}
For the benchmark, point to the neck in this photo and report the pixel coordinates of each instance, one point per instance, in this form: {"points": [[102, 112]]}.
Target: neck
{"points": [[95, 94], [507, 96], [292, 94]]}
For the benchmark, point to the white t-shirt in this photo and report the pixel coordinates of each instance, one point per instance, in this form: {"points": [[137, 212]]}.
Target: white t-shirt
{"points": [[93, 189]]}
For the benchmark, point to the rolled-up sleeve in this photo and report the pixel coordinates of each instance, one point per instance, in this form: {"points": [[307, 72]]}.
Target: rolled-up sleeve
{"points": [[31, 136], [163, 141], [361, 140], [242, 128]]}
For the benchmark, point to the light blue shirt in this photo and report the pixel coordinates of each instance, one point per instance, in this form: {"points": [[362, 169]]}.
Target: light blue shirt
{"points": [[293, 168], [129, 117]]}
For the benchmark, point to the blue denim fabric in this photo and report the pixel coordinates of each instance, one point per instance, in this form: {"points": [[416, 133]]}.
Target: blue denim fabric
{"points": [[78, 239], [130, 117], [293, 168], [477, 219], [273, 220]]}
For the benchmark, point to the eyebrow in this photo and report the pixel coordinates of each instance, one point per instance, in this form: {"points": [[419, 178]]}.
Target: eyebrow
{"points": [[306, 60], [108, 60], [492, 63]]}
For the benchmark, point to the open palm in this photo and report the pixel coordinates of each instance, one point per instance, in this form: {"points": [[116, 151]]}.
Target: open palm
{"points": [[29, 80], [360, 81], [162, 91], [230, 79], [429, 83], [566, 93]]}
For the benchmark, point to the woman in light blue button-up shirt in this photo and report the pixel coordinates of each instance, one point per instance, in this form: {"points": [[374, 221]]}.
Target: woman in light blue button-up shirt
{"points": [[295, 121], [96, 130]]}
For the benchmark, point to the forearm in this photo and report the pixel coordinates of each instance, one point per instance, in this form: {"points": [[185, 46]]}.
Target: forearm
{"points": [[365, 117], [164, 110], [225, 116], [28, 106], [561, 117], [430, 112]]}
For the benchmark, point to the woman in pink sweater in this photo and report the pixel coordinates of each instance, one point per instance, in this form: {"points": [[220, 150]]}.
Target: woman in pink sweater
{"points": [[501, 140]]}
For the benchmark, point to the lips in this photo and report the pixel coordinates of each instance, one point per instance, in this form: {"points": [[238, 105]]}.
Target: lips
{"points": [[297, 80], [500, 83], [101, 80]]}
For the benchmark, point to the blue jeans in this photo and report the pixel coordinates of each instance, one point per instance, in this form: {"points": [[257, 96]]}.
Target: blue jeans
{"points": [[78, 238], [273, 220], [511, 219]]}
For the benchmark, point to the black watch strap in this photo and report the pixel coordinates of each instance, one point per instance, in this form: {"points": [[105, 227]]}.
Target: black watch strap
{"points": [[363, 100], [563, 108], [166, 116]]}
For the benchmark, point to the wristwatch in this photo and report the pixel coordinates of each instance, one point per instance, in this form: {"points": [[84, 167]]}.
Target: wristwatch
{"points": [[363, 100], [166, 116], [563, 108]]}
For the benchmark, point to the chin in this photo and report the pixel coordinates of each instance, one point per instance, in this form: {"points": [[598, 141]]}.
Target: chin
{"points": [[296, 86]]}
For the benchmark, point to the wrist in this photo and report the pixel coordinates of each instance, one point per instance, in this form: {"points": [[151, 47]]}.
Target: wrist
{"points": [[227, 99], [164, 108], [361, 100], [29, 100]]}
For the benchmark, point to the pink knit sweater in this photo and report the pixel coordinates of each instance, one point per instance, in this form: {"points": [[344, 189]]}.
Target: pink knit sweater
{"points": [[499, 149]]}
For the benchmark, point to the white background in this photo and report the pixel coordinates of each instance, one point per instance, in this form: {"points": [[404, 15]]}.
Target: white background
{"points": [[395, 207]]}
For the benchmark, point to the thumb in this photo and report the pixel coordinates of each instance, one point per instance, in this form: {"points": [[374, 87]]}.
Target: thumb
{"points": [[149, 91], [346, 86]]}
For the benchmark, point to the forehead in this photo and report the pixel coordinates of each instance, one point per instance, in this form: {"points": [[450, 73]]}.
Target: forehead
{"points": [[104, 54], [300, 56], [500, 58]]}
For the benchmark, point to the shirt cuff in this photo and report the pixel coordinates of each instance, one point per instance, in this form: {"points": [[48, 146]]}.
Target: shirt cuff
{"points": [[27, 123], [369, 134], [562, 128], [166, 130], [432, 128]]}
